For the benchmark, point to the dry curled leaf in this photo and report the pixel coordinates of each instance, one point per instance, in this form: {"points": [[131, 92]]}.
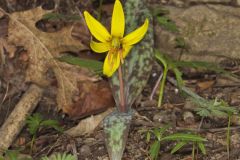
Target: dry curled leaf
{"points": [[43, 48], [205, 85], [95, 98], [9, 48], [88, 125]]}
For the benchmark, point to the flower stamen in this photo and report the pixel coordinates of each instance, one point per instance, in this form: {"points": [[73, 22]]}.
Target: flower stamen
{"points": [[121, 55]]}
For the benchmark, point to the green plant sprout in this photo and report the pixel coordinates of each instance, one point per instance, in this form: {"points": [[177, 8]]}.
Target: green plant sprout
{"points": [[181, 139], [206, 108], [13, 155], [174, 65], [166, 23], [36, 122], [219, 109], [60, 156], [168, 64], [209, 108]]}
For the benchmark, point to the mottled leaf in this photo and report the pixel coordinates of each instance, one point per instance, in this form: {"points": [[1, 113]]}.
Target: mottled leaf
{"points": [[138, 64]]}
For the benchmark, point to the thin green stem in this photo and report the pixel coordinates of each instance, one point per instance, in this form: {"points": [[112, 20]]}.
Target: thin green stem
{"points": [[32, 143], [100, 10], [121, 86], [193, 151], [228, 136], [162, 85]]}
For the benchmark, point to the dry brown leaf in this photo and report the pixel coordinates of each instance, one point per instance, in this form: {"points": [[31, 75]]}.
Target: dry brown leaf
{"points": [[9, 48], [97, 97], [205, 85], [88, 125], [1, 14], [42, 48]]}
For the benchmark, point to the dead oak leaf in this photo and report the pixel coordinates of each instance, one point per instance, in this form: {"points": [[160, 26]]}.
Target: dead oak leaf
{"points": [[43, 48], [5, 46]]}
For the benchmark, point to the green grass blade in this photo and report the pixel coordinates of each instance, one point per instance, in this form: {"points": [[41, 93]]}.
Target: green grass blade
{"points": [[148, 136], [202, 148], [184, 137], [157, 133], [94, 65], [178, 146], [154, 150]]}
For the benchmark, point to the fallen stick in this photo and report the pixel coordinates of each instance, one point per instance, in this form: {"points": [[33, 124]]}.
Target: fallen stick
{"points": [[16, 120]]}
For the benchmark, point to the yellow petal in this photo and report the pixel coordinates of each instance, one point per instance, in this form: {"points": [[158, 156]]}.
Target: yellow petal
{"points": [[96, 28], [111, 64], [137, 35], [118, 20], [126, 50], [100, 47]]}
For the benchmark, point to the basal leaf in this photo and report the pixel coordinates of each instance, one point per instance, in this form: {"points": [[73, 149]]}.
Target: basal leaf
{"points": [[138, 64]]}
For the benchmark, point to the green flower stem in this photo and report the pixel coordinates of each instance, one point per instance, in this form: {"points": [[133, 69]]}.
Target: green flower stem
{"points": [[160, 98], [121, 86]]}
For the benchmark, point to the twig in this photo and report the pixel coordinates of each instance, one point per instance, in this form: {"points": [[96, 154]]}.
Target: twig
{"points": [[156, 86], [5, 95], [16, 120], [200, 124], [81, 15]]}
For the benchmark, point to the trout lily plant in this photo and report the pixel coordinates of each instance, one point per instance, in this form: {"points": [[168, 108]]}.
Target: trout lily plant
{"points": [[116, 44], [116, 125]]}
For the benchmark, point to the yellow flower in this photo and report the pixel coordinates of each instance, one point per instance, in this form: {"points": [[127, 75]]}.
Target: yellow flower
{"points": [[117, 46]]}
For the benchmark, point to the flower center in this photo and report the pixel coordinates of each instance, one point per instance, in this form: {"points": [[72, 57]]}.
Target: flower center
{"points": [[115, 51], [116, 44]]}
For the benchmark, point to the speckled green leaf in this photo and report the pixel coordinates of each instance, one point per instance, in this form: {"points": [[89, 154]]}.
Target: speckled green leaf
{"points": [[116, 127], [138, 63]]}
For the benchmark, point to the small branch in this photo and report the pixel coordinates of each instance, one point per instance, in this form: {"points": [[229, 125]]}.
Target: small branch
{"points": [[156, 86], [16, 120], [121, 85]]}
